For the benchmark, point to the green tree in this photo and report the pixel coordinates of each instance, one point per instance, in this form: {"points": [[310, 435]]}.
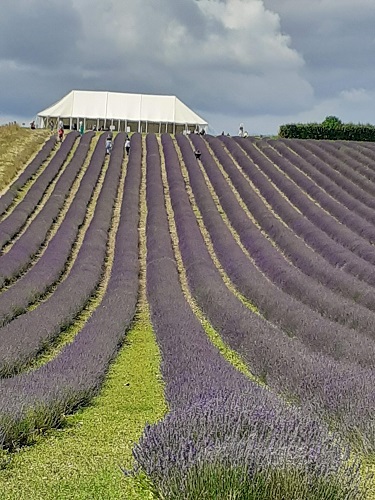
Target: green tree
{"points": [[332, 121]]}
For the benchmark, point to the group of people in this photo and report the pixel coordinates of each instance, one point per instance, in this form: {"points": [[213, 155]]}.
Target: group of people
{"points": [[108, 144]]}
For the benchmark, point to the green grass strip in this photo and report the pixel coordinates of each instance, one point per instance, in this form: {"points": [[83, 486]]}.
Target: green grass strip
{"points": [[83, 460]]}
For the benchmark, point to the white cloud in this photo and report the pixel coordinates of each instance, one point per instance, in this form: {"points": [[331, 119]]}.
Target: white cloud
{"points": [[264, 62]]}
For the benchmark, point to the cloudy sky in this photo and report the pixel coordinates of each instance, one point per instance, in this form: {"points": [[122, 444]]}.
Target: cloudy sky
{"points": [[257, 62]]}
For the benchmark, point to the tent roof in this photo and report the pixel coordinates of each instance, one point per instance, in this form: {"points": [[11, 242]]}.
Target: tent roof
{"points": [[116, 105]]}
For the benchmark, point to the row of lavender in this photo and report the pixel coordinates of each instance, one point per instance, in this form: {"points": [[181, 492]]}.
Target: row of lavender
{"points": [[47, 270], [293, 316], [334, 181], [28, 334], [41, 398], [342, 206], [224, 432], [13, 224], [29, 243], [350, 270], [305, 279], [338, 390], [352, 160], [30, 171], [259, 166]]}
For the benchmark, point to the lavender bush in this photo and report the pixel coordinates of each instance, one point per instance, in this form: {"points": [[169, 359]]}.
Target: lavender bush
{"points": [[23, 250], [322, 172], [338, 391], [359, 172], [30, 171], [315, 237], [38, 400], [48, 269], [30, 333], [294, 317], [272, 262], [10, 226], [309, 209], [223, 432]]}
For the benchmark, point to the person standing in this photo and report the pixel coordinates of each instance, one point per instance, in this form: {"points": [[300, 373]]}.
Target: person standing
{"points": [[127, 146], [60, 131], [108, 145], [60, 134], [81, 129]]}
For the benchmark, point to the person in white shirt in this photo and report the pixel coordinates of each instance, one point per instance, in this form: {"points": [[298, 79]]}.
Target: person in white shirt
{"points": [[127, 146]]}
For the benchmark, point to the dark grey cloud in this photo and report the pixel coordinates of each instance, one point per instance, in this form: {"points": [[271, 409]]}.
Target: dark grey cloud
{"points": [[233, 61], [336, 40], [38, 33]]}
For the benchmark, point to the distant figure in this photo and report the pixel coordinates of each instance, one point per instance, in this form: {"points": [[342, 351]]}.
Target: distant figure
{"points": [[60, 134], [60, 131], [197, 154], [202, 132], [127, 146], [108, 145], [51, 125], [32, 125], [245, 134], [94, 128], [240, 132], [74, 126], [81, 129]]}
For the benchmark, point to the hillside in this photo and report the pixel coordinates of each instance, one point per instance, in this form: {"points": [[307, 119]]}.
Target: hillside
{"points": [[229, 301]]}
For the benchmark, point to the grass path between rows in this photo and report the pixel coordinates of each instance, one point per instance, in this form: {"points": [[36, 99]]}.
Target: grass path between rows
{"points": [[83, 460]]}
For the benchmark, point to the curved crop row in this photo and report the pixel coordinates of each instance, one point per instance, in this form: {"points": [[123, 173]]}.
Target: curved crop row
{"points": [[337, 203], [360, 174], [8, 197], [285, 363], [216, 411], [272, 263], [320, 171], [48, 269], [40, 399], [10, 226], [320, 218], [29, 333], [315, 237], [292, 316], [14, 262]]}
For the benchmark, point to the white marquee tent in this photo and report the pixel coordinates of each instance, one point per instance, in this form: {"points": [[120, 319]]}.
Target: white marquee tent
{"points": [[127, 112]]}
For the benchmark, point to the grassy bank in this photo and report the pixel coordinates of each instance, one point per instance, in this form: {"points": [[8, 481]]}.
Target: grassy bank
{"points": [[83, 460], [17, 147]]}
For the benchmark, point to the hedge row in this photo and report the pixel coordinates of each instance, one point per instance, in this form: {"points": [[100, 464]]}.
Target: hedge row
{"points": [[345, 132]]}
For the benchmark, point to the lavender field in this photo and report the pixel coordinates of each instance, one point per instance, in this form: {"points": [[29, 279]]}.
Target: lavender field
{"points": [[255, 267]]}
